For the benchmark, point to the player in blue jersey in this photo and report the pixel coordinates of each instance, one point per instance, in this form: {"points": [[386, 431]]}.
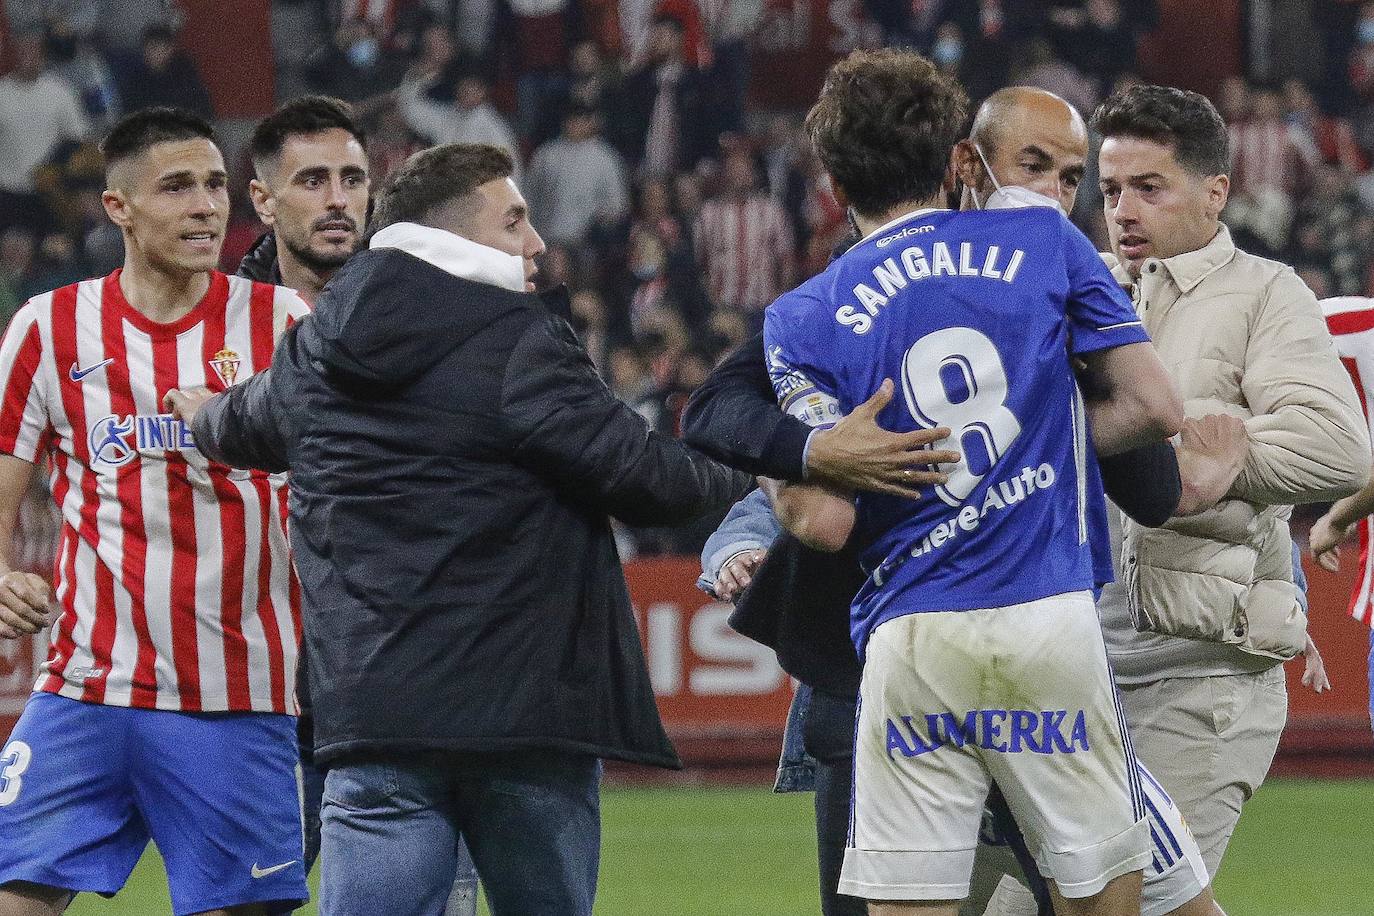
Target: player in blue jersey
{"points": [[983, 656]]}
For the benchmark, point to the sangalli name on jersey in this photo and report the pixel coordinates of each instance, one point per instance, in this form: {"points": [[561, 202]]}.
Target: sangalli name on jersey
{"points": [[912, 265]]}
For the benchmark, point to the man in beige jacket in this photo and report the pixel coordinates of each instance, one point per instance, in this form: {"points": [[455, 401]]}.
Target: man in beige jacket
{"points": [[1205, 611]]}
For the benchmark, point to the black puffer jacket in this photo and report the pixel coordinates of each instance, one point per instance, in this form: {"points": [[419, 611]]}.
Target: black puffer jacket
{"points": [[454, 458]]}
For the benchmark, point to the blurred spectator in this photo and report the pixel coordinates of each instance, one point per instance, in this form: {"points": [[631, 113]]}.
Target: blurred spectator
{"points": [[575, 180], [730, 24], [1326, 232], [29, 266], [76, 59], [593, 326], [38, 110], [1267, 168], [163, 75], [390, 142], [1099, 37], [688, 197], [743, 241], [439, 56], [469, 119], [541, 49], [1329, 139], [1037, 66], [591, 82], [630, 380], [16, 261], [478, 19], [1233, 99], [666, 119], [353, 65], [728, 330]]}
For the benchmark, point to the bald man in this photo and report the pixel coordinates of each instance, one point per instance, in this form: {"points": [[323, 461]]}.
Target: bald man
{"points": [[1023, 139]]}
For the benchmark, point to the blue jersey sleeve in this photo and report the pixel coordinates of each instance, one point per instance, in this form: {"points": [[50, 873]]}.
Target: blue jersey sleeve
{"points": [[1099, 312], [805, 388]]}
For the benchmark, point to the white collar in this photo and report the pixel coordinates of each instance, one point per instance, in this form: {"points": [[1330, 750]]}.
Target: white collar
{"points": [[454, 254]]}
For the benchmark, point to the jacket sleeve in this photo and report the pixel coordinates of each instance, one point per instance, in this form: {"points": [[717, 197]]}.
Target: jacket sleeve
{"points": [[244, 427], [1144, 483], [734, 417], [1308, 439], [567, 425], [749, 525]]}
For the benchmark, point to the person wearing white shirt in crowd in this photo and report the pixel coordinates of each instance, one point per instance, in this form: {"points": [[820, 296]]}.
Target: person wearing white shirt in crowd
{"points": [[469, 119], [576, 179], [38, 110]]}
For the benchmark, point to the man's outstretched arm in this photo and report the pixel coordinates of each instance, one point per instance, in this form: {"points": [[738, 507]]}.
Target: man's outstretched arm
{"points": [[241, 427], [734, 417]]}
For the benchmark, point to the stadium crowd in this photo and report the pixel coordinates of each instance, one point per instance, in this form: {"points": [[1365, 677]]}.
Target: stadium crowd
{"points": [[673, 209], [675, 213]]}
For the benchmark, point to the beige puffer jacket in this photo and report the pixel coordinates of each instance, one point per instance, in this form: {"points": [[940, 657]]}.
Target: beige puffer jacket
{"points": [[1241, 335]]}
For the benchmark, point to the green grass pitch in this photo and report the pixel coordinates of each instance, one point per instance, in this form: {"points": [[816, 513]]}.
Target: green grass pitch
{"points": [[1303, 849]]}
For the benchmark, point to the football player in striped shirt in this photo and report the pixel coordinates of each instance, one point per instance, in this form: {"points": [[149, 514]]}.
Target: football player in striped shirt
{"points": [[1350, 319], [165, 708]]}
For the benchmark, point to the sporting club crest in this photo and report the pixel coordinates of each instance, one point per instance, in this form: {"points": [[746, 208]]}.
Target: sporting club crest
{"points": [[226, 365]]}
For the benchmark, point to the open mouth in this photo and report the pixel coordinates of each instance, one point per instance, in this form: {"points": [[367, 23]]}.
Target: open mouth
{"points": [[1132, 246], [200, 239]]}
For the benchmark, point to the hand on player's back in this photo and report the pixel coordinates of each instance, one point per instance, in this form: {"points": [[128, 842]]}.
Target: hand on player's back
{"points": [[858, 454], [25, 604], [1211, 452], [183, 404]]}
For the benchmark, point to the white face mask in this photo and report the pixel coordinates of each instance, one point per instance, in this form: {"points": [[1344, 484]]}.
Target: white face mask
{"points": [[1012, 197]]}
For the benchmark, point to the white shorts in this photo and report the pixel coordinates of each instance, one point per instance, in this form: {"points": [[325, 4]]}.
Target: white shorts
{"points": [[1176, 873], [951, 702]]}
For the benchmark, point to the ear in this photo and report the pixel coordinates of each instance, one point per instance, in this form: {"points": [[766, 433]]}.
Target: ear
{"points": [[967, 166], [263, 202], [1218, 192], [116, 207]]}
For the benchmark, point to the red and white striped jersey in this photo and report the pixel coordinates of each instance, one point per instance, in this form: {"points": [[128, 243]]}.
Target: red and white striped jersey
{"points": [[173, 578], [1351, 322], [746, 247]]}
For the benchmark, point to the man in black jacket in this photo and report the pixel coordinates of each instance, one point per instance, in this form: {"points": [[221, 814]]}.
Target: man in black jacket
{"points": [[453, 459]]}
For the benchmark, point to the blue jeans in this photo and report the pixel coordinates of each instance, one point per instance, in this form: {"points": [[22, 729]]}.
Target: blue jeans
{"points": [[462, 900], [392, 827]]}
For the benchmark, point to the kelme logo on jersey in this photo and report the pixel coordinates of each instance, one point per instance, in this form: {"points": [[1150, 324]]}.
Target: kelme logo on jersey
{"points": [[117, 440]]}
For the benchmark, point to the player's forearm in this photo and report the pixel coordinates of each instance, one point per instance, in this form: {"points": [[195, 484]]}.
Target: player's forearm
{"points": [[1354, 507], [15, 478], [819, 517]]}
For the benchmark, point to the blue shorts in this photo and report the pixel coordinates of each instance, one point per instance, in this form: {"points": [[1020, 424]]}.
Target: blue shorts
{"points": [[83, 787]]}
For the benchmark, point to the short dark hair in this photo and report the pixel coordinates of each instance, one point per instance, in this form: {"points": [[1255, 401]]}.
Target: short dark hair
{"points": [[309, 114], [436, 177], [1184, 120], [884, 126], [135, 132]]}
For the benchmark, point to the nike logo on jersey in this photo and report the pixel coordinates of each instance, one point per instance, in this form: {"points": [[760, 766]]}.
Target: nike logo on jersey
{"points": [[79, 374], [264, 872]]}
